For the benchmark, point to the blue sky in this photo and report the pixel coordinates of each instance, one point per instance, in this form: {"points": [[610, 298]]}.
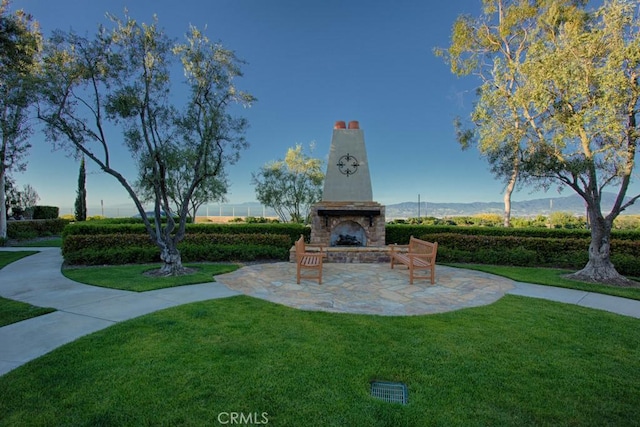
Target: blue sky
{"points": [[310, 64]]}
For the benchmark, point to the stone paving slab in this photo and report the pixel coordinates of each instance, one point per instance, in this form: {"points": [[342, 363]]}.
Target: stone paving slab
{"points": [[368, 288]]}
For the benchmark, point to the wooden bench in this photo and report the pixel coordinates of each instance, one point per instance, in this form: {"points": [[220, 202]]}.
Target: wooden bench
{"points": [[306, 260], [417, 255]]}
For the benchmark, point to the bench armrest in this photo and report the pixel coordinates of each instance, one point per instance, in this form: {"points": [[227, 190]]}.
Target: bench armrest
{"points": [[319, 246], [396, 246], [315, 245]]}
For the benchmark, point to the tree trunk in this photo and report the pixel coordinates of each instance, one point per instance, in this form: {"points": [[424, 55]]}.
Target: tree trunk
{"points": [[507, 197], [600, 269], [507, 208], [3, 208], [172, 261]]}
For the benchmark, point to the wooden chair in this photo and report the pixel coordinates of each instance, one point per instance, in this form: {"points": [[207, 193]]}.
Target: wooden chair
{"points": [[419, 255], [308, 261]]}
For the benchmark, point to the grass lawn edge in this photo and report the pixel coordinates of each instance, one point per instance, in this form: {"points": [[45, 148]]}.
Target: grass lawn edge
{"points": [[550, 277]]}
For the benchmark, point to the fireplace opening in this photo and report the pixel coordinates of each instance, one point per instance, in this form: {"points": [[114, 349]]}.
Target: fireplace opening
{"points": [[348, 233], [347, 240]]}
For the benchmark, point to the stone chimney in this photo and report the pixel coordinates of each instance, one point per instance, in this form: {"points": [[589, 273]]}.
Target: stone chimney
{"points": [[347, 220], [347, 178]]}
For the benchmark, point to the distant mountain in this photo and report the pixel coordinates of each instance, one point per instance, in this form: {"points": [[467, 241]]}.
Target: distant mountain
{"points": [[544, 206], [573, 204]]}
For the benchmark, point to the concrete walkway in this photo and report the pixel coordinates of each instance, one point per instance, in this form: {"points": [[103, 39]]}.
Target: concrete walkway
{"points": [[352, 288], [82, 309]]}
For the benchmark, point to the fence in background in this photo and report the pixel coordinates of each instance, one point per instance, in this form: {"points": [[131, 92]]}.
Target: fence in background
{"points": [[209, 210]]}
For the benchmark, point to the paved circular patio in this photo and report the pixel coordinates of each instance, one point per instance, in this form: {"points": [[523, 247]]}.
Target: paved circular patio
{"points": [[368, 288]]}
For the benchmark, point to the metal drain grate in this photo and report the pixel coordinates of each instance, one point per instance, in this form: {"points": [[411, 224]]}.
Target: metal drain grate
{"points": [[389, 392]]}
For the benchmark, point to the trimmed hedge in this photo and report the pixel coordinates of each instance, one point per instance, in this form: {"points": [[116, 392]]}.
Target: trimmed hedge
{"points": [[31, 228], [77, 243], [98, 227], [127, 220], [531, 251], [189, 253], [139, 248], [108, 242], [96, 242], [45, 212], [400, 233], [564, 248]]}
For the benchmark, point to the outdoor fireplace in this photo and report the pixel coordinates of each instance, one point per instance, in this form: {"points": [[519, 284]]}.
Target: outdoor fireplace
{"points": [[348, 233], [347, 220]]}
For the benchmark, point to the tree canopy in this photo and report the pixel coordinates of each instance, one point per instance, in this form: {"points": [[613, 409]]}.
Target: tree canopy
{"points": [[290, 186], [123, 77], [20, 43], [179, 178], [559, 101]]}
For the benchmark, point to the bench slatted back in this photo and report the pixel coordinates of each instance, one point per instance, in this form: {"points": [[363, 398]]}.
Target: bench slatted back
{"points": [[300, 247], [417, 246]]}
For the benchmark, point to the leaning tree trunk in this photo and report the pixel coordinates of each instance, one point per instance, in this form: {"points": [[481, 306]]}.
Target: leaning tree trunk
{"points": [[600, 269]]}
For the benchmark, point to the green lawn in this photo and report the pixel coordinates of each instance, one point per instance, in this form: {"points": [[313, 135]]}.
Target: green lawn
{"points": [[551, 277], [15, 311], [519, 361], [516, 362], [7, 257], [132, 278]]}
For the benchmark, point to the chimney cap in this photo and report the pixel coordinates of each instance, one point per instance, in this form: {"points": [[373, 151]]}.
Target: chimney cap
{"points": [[340, 124], [354, 124]]}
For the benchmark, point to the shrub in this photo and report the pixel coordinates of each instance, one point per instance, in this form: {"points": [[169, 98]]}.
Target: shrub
{"points": [[400, 233], [260, 220], [127, 227], [567, 220], [232, 252], [627, 222], [529, 251], [45, 212], [626, 264], [28, 229], [125, 241], [113, 256], [137, 248], [97, 242]]}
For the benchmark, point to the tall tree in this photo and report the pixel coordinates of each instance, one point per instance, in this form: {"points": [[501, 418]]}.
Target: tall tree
{"points": [[494, 48], [584, 88], [20, 43], [122, 76], [572, 113], [81, 196], [290, 186]]}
